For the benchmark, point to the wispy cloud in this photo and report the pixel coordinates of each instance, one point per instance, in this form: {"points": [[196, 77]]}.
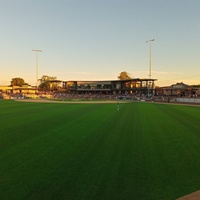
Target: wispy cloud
{"points": [[167, 73], [74, 72], [159, 72], [81, 73]]}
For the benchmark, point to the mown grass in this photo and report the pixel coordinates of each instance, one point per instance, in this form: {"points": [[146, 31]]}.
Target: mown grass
{"points": [[94, 152]]}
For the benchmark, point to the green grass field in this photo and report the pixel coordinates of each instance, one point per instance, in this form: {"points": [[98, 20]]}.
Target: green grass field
{"points": [[145, 151]]}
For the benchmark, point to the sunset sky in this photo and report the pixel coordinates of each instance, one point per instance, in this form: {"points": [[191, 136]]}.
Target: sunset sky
{"points": [[97, 39]]}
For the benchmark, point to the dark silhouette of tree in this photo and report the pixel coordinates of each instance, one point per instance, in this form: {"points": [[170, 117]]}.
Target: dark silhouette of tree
{"points": [[124, 76], [18, 82]]}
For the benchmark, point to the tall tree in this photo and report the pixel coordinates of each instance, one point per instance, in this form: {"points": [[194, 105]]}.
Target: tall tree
{"points": [[18, 82], [124, 76], [45, 82], [47, 78]]}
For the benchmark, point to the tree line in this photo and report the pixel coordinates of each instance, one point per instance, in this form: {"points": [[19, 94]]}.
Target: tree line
{"points": [[44, 81]]}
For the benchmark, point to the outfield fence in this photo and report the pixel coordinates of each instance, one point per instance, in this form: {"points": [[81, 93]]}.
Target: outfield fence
{"points": [[187, 100]]}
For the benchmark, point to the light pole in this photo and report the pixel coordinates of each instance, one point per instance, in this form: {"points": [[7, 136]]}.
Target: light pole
{"points": [[150, 59], [36, 51], [150, 41]]}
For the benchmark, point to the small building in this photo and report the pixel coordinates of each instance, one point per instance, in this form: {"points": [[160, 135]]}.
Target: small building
{"points": [[24, 89], [178, 89]]}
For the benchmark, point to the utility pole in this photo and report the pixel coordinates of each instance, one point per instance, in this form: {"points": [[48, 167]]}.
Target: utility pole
{"points": [[36, 51]]}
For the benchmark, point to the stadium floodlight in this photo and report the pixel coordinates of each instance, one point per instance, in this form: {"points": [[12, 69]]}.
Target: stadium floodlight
{"points": [[150, 60], [36, 51], [150, 41]]}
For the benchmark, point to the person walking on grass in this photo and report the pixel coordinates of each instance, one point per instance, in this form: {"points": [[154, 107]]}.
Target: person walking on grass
{"points": [[117, 105]]}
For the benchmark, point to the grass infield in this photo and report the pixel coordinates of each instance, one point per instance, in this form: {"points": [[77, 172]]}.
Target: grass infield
{"points": [[144, 151]]}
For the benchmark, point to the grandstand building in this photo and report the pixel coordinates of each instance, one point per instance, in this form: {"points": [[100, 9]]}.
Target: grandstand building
{"points": [[131, 86]]}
